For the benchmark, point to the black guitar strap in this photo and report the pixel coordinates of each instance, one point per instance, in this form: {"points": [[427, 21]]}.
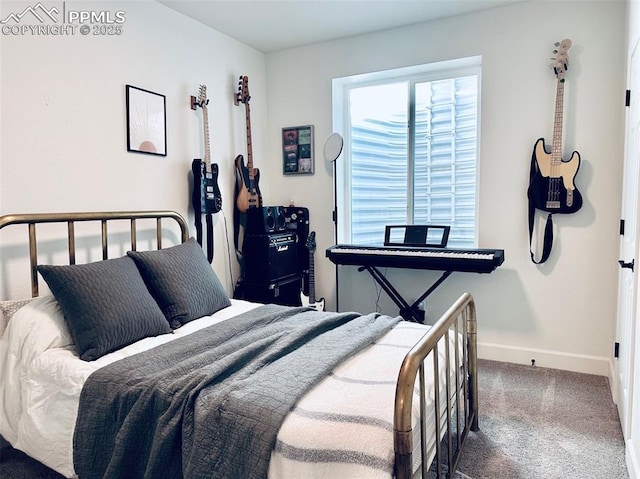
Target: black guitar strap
{"points": [[209, 219], [548, 228], [199, 228], [209, 237], [239, 219]]}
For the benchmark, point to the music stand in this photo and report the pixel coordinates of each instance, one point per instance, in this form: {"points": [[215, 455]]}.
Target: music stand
{"points": [[425, 236]]}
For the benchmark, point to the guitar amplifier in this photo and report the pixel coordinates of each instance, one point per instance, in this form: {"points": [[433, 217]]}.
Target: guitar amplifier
{"points": [[265, 220], [269, 257], [297, 221]]}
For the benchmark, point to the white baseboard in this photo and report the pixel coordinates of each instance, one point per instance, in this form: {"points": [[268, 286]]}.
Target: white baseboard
{"points": [[580, 363]]}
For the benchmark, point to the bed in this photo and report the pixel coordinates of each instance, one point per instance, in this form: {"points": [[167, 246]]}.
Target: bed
{"points": [[216, 384]]}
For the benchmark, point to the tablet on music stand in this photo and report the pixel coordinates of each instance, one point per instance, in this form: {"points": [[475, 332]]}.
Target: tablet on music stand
{"points": [[425, 236]]}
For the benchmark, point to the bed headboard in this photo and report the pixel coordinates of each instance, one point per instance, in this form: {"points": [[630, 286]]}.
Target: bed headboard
{"points": [[34, 219]]}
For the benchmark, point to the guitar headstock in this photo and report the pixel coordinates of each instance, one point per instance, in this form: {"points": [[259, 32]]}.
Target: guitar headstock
{"points": [[561, 60], [202, 96], [243, 90], [311, 242]]}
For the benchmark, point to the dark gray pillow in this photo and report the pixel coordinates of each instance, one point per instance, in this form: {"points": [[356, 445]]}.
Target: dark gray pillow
{"points": [[182, 281], [106, 305]]}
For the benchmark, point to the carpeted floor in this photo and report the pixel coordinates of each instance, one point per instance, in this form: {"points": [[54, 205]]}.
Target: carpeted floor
{"points": [[535, 423], [544, 423]]}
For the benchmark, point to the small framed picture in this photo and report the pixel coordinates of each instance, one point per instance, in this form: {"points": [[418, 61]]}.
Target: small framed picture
{"points": [[297, 150], [146, 122]]}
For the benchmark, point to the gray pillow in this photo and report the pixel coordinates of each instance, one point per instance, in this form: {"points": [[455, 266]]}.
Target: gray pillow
{"points": [[106, 305], [182, 282]]}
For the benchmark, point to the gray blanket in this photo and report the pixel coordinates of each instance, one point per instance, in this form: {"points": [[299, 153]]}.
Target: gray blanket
{"points": [[210, 405]]}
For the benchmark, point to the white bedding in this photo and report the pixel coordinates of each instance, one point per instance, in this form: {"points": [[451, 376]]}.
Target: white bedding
{"points": [[41, 379]]}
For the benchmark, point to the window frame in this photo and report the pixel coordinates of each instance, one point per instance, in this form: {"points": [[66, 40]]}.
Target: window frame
{"points": [[414, 74]]}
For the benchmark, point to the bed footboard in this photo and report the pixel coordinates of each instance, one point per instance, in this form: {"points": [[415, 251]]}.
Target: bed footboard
{"points": [[457, 328]]}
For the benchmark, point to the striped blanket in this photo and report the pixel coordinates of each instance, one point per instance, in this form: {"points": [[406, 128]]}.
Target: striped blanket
{"points": [[343, 428], [209, 405]]}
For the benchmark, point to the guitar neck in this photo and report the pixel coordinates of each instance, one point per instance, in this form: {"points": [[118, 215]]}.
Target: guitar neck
{"points": [[312, 281], [247, 110], [205, 122], [556, 152]]}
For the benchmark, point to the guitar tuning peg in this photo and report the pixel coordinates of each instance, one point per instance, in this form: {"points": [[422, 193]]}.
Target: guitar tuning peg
{"points": [[555, 51], [557, 44]]}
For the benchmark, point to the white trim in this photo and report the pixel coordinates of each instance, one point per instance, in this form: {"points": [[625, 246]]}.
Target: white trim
{"points": [[633, 465], [614, 383], [580, 363], [437, 70]]}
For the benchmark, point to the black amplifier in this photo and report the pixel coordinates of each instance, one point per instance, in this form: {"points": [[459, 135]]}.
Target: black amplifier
{"points": [[297, 221], [265, 220], [269, 257]]}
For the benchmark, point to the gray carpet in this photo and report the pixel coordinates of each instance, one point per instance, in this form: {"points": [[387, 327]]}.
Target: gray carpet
{"points": [[535, 423], [544, 423]]}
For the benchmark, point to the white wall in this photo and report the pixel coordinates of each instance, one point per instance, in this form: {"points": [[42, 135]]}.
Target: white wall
{"points": [[563, 312], [63, 118], [64, 148]]}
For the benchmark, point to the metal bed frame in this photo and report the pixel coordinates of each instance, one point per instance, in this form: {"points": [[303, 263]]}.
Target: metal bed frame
{"points": [[458, 321], [32, 219]]}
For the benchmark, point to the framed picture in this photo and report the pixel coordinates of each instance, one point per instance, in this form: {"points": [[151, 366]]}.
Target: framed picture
{"points": [[146, 122], [297, 150]]}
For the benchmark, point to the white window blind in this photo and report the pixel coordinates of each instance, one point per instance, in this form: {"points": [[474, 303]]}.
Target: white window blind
{"points": [[411, 156]]}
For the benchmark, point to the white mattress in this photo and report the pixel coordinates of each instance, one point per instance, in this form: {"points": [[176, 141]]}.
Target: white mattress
{"points": [[41, 378]]}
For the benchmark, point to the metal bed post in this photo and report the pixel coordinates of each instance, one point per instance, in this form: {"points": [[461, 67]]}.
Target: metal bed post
{"points": [[463, 309], [469, 316]]}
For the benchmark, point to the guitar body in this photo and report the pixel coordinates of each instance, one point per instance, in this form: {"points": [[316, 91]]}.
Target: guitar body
{"points": [[206, 197], [248, 190], [310, 301], [552, 187], [317, 305]]}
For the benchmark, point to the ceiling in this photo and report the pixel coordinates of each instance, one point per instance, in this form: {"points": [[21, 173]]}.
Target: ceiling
{"points": [[272, 25]]}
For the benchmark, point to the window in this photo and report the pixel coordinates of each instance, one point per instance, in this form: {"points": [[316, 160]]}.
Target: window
{"points": [[411, 151]]}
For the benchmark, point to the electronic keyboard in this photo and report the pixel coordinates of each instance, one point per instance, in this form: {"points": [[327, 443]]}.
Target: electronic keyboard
{"points": [[443, 259]]}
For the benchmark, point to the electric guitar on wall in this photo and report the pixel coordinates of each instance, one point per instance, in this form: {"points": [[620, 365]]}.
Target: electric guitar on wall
{"points": [[310, 301], [551, 179], [552, 187], [206, 197], [247, 190]]}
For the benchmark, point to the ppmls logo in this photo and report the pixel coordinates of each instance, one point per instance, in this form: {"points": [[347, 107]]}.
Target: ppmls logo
{"points": [[38, 11], [40, 20]]}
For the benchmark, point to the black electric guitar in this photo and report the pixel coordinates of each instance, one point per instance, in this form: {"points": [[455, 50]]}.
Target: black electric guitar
{"points": [[247, 190], [552, 187], [205, 197], [311, 299]]}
